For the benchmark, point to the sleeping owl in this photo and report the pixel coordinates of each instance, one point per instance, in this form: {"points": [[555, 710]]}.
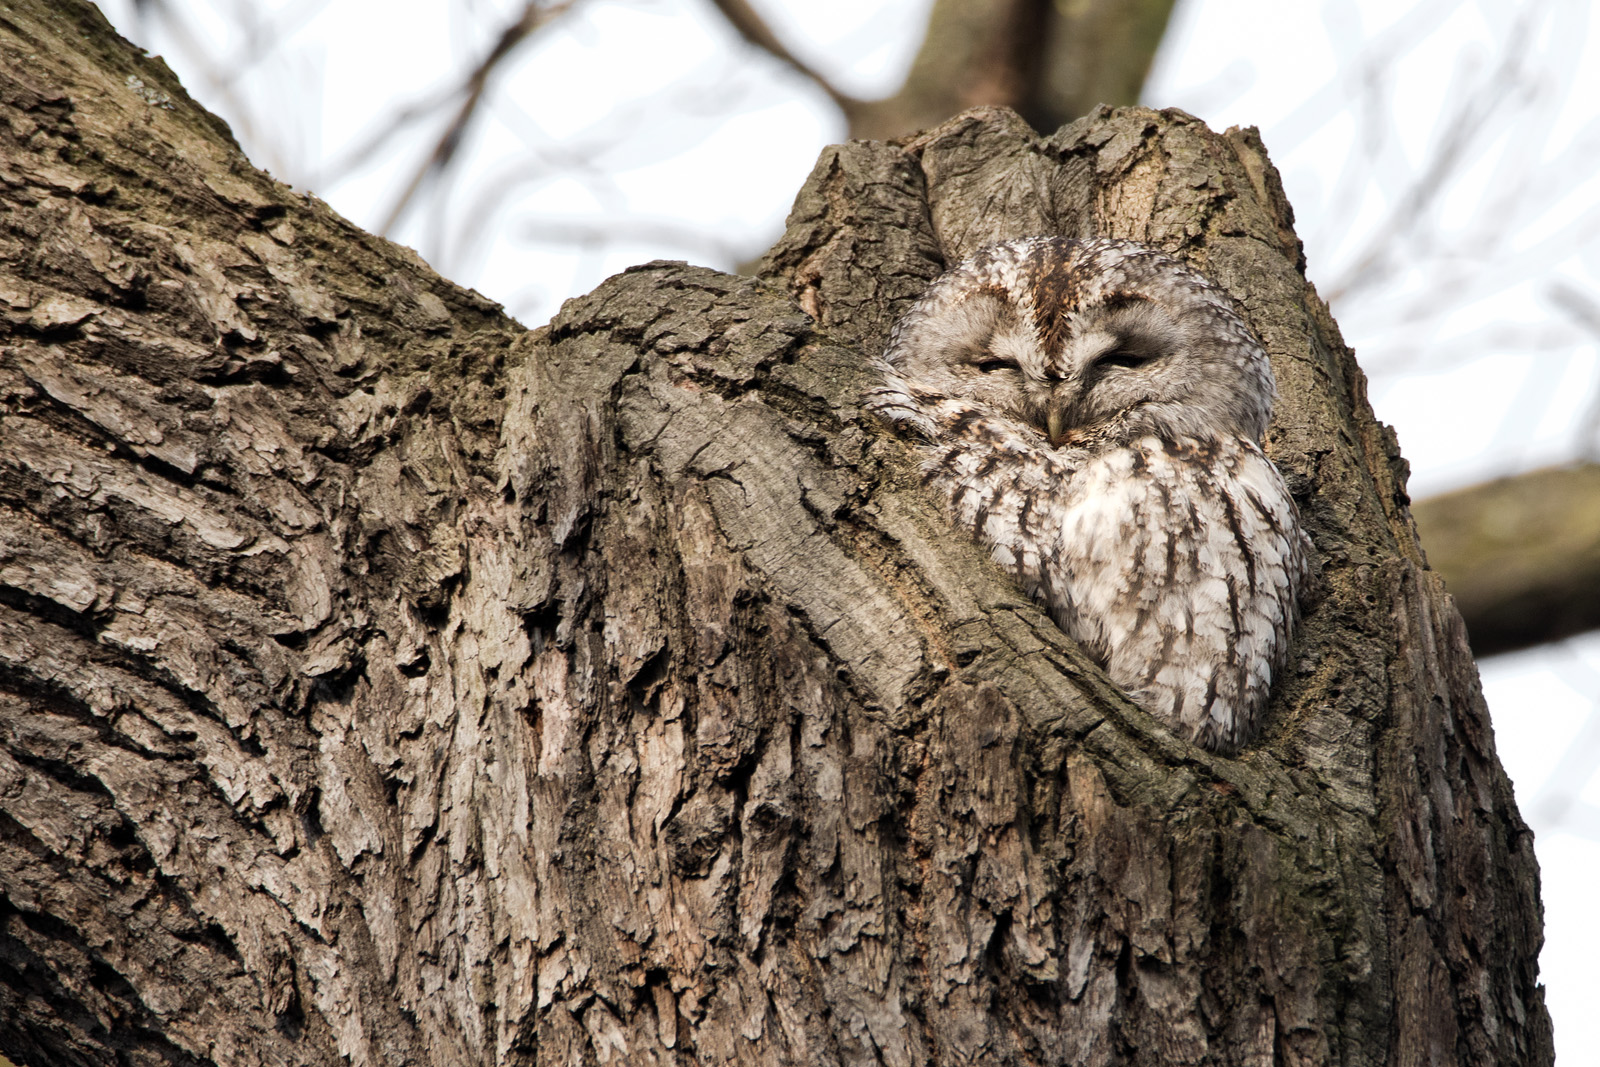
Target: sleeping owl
{"points": [[1093, 410]]}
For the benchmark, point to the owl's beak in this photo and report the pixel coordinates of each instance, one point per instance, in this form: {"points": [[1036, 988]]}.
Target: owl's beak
{"points": [[1060, 410], [1056, 422]]}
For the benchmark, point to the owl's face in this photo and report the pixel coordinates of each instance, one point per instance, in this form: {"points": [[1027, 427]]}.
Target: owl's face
{"points": [[1071, 337]]}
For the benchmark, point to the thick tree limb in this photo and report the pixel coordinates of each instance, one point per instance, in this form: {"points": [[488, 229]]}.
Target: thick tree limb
{"points": [[1099, 52], [1521, 555], [383, 683], [1049, 60]]}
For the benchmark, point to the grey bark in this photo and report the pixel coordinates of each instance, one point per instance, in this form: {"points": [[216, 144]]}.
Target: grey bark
{"points": [[383, 682]]}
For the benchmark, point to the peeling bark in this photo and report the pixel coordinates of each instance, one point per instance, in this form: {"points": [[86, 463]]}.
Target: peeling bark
{"points": [[382, 681]]}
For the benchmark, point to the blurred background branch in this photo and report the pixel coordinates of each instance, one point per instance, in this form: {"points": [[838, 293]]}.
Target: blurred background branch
{"points": [[1049, 60], [754, 29], [471, 92], [1521, 555]]}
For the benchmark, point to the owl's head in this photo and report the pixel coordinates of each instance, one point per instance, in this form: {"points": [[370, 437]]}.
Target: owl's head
{"points": [[1078, 339]]}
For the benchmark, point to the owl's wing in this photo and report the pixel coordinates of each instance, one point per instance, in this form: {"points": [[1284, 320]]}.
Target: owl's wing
{"points": [[898, 401]]}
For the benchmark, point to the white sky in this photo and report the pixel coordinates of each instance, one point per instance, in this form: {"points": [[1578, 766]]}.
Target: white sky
{"points": [[648, 113]]}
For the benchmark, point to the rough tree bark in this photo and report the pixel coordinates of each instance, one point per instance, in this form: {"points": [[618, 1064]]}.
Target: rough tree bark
{"points": [[382, 681]]}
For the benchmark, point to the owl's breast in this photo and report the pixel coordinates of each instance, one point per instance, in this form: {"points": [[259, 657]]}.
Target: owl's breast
{"points": [[1178, 565]]}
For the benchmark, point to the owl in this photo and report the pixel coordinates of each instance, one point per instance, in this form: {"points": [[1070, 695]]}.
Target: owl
{"points": [[1092, 410]]}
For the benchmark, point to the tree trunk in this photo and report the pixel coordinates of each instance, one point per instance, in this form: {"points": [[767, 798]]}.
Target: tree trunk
{"points": [[382, 681]]}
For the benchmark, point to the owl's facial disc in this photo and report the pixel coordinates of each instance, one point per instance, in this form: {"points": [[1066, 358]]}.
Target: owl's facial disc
{"points": [[1110, 357], [1084, 342]]}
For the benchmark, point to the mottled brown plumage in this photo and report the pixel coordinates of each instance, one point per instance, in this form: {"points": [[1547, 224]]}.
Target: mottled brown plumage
{"points": [[1093, 411]]}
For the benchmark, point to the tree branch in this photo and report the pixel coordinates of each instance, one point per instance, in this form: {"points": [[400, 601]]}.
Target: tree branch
{"points": [[754, 29], [472, 89], [1049, 61], [1521, 555]]}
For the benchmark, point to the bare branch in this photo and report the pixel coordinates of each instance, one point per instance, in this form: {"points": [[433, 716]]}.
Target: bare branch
{"points": [[258, 47], [754, 29], [444, 150], [1469, 121]]}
